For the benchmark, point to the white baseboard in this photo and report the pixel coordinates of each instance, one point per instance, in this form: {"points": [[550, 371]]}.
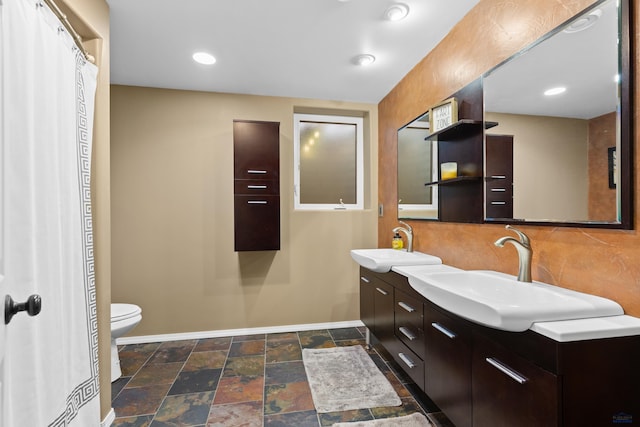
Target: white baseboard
{"points": [[142, 339], [108, 420]]}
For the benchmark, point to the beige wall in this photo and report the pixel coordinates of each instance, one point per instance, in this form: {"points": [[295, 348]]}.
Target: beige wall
{"points": [[172, 218], [601, 262], [550, 167], [90, 18]]}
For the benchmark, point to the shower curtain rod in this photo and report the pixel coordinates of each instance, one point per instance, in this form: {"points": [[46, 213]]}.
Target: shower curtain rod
{"points": [[76, 37]]}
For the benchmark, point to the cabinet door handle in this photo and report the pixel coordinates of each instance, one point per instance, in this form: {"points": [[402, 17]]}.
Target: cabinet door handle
{"points": [[406, 360], [444, 330], [507, 370], [256, 187], [407, 333], [406, 307], [382, 291], [498, 176], [257, 202], [498, 203], [498, 190], [364, 279], [256, 171]]}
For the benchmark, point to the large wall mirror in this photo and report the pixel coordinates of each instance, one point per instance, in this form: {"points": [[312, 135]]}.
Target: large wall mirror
{"points": [[559, 159], [563, 157]]}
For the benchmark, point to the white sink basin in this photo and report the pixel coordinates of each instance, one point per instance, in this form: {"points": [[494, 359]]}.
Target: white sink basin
{"points": [[381, 260], [498, 300]]}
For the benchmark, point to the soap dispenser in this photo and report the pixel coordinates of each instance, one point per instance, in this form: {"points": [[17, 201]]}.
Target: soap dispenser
{"points": [[396, 242]]}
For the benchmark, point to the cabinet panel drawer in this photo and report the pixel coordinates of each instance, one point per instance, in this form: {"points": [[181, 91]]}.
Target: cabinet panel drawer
{"points": [[256, 149], [409, 310], [448, 365], [256, 186], [509, 390], [410, 363], [412, 337], [257, 223]]}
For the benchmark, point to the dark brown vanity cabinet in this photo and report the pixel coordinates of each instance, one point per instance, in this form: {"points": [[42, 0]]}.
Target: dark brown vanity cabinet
{"points": [[409, 331], [376, 306], [395, 319], [448, 364], [509, 390], [484, 377], [256, 160]]}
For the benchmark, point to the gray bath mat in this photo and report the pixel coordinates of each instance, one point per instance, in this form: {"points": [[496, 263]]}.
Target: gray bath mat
{"points": [[344, 378], [413, 420]]}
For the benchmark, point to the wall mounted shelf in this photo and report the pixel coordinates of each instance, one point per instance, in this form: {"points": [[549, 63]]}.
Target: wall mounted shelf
{"points": [[455, 180]]}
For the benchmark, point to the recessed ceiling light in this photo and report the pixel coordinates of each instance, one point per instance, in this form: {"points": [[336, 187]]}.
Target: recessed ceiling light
{"points": [[555, 91], [396, 12], [364, 59], [204, 58], [583, 22]]}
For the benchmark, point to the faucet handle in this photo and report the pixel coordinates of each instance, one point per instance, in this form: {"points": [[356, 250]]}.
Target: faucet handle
{"points": [[407, 226], [524, 239]]}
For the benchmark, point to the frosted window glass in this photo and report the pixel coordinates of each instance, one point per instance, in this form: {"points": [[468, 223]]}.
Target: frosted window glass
{"points": [[328, 162]]}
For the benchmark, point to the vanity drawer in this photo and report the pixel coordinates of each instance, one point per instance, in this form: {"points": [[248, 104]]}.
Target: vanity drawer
{"points": [[410, 363], [409, 310], [409, 322], [509, 390]]}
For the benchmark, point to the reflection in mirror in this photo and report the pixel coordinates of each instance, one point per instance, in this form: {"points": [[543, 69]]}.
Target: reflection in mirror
{"points": [[417, 165], [564, 142]]}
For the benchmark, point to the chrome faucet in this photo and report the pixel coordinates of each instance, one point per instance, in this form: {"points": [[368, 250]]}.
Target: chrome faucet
{"points": [[408, 231], [525, 253]]}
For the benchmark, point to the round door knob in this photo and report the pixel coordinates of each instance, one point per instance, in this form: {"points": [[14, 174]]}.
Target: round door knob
{"points": [[32, 306]]}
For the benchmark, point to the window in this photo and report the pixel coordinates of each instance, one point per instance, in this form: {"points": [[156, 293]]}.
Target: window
{"points": [[328, 162]]}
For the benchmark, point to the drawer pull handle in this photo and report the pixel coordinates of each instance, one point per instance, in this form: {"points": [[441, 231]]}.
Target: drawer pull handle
{"points": [[256, 187], [498, 190], [498, 203], [444, 330], [407, 333], [406, 307], [506, 370], [406, 360], [382, 291], [257, 202], [256, 171], [499, 176], [364, 279]]}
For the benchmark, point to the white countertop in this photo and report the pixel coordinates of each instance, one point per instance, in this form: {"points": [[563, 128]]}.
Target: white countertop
{"points": [[589, 329]]}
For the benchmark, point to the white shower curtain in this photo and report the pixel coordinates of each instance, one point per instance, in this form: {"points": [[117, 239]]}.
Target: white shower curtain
{"points": [[47, 93]]}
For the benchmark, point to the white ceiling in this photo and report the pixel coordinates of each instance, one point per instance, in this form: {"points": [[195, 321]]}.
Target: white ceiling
{"points": [[293, 48]]}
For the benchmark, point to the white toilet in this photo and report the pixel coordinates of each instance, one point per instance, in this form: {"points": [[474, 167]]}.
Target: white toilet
{"points": [[124, 317]]}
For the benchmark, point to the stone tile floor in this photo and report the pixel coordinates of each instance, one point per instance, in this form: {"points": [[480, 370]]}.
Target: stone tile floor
{"points": [[255, 380]]}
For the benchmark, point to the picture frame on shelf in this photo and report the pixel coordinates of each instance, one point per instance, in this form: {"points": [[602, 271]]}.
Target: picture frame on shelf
{"points": [[443, 114]]}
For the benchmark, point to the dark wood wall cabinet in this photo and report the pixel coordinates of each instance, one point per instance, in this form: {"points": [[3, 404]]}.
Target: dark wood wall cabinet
{"points": [[256, 166], [499, 176], [461, 199], [484, 377]]}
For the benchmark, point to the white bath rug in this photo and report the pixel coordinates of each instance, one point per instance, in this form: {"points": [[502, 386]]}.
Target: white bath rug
{"points": [[344, 378], [413, 420]]}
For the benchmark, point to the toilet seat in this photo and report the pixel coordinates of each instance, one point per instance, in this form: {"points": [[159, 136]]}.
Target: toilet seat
{"points": [[124, 311]]}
